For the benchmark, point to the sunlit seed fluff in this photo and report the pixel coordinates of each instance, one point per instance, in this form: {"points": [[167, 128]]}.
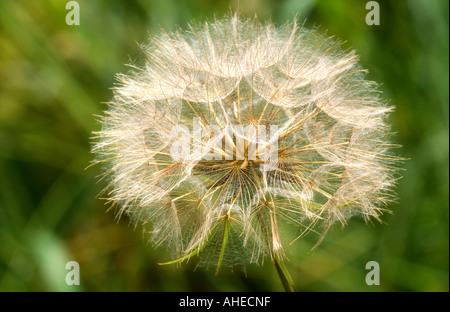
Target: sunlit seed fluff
{"points": [[333, 149]]}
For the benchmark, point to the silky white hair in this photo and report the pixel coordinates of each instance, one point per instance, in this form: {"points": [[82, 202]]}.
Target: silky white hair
{"points": [[334, 155]]}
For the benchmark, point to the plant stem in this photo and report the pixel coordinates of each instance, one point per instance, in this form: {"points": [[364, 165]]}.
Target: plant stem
{"points": [[285, 277]]}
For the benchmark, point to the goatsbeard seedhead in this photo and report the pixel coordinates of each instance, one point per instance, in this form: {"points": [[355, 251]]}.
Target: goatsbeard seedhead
{"points": [[234, 130]]}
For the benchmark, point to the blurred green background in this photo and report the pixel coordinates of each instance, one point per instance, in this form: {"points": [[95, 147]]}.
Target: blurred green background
{"points": [[54, 78]]}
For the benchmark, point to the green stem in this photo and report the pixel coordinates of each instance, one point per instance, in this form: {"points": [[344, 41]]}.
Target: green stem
{"points": [[285, 277]]}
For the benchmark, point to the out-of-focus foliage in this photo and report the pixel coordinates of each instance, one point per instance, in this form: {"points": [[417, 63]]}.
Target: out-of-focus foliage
{"points": [[54, 78]]}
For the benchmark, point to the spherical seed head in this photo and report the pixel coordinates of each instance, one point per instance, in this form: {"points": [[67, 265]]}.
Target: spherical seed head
{"points": [[233, 129]]}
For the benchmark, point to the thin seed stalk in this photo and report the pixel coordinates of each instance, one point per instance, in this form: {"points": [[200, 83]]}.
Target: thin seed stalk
{"points": [[284, 275]]}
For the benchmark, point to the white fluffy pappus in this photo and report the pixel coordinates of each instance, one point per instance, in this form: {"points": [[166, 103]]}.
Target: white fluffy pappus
{"points": [[334, 157]]}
